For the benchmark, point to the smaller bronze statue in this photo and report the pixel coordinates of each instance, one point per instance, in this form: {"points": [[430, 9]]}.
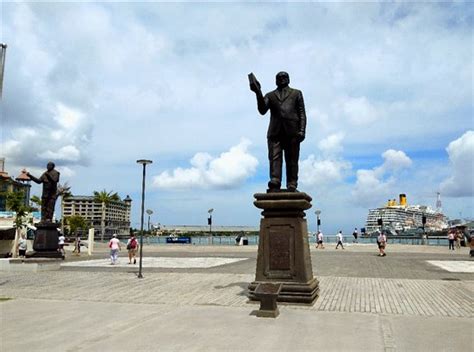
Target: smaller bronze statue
{"points": [[286, 130], [49, 179]]}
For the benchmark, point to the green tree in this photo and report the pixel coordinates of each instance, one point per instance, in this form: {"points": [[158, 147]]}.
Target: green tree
{"points": [[76, 222], [105, 198], [15, 201]]}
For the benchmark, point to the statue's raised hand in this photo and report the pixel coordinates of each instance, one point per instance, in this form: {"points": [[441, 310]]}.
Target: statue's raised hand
{"points": [[254, 84]]}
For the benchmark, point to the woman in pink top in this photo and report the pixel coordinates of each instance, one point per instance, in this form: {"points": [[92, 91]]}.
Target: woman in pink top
{"points": [[114, 245]]}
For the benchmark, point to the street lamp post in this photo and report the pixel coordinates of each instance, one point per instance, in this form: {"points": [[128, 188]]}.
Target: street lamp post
{"points": [[318, 220], [3, 52], [144, 163], [209, 221], [149, 212]]}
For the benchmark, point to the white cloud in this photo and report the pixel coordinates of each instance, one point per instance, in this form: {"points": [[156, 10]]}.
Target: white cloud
{"points": [[66, 153], [376, 185], [370, 188], [66, 172], [359, 111], [63, 142], [327, 169], [332, 144], [461, 157], [395, 160], [67, 117], [229, 170], [317, 172]]}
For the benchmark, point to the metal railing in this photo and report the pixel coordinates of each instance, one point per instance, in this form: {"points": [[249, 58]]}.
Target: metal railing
{"points": [[253, 240]]}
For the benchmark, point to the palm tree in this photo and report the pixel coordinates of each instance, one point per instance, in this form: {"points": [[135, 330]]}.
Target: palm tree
{"points": [[104, 198], [36, 201], [63, 192]]}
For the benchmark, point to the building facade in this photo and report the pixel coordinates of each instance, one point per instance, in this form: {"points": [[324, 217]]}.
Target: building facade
{"points": [[117, 214], [8, 184]]}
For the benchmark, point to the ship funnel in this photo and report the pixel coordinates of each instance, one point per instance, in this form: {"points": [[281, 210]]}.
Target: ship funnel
{"points": [[403, 199]]}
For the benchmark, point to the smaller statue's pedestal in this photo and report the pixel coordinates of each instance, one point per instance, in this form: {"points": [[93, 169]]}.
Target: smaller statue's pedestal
{"points": [[283, 249], [45, 244]]}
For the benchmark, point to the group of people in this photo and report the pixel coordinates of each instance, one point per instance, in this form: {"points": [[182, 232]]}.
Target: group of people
{"points": [[454, 237], [381, 241], [320, 240], [115, 247]]}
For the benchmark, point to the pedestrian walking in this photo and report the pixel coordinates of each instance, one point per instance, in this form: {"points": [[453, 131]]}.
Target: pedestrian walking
{"points": [[132, 247], [451, 239], [22, 246], [340, 239], [77, 246], [114, 245], [457, 238], [471, 246], [320, 239], [61, 240], [382, 242], [356, 235]]}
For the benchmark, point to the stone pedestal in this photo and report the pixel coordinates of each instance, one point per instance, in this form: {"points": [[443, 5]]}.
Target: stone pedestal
{"points": [[283, 250], [267, 293], [45, 244]]}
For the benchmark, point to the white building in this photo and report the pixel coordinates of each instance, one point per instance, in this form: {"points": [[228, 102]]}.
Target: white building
{"points": [[117, 213]]}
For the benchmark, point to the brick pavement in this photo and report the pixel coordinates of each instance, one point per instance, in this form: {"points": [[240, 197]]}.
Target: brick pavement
{"points": [[340, 294]]}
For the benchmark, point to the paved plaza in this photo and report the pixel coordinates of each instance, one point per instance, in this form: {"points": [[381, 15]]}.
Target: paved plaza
{"points": [[194, 298]]}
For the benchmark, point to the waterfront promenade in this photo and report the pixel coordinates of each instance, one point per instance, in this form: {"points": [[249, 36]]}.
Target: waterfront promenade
{"points": [[193, 298]]}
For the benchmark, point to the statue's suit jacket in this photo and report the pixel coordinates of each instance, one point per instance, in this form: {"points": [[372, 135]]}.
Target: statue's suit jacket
{"points": [[288, 117]]}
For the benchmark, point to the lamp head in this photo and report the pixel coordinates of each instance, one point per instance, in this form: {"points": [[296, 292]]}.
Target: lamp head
{"points": [[144, 161]]}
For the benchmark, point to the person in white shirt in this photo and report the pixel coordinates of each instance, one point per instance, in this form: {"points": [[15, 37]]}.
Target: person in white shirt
{"points": [[340, 238], [22, 246], [114, 245], [61, 240], [320, 238]]}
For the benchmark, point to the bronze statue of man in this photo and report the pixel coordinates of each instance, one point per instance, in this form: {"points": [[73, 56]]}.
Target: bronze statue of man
{"points": [[49, 179], [286, 130]]}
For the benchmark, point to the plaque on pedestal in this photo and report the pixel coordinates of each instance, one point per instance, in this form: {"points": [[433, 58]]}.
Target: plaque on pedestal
{"points": [[283, 250]]}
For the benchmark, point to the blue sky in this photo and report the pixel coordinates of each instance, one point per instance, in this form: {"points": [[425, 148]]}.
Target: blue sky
{"points": [[388, 89]]}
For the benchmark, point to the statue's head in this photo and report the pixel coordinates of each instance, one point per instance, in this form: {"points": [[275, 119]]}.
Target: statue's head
{"points": [[50, 166], [282, 79]]}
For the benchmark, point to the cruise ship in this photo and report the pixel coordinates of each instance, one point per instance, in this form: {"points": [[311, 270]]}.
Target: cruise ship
{"points": [[401, 218]]}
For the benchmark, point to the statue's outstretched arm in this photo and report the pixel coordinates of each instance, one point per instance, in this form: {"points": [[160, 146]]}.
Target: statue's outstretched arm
{"points": [[34, 179], [255, 87]]}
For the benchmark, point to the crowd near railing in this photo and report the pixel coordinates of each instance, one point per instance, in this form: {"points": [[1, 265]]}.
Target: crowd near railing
{"points": [[328, 239]]}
